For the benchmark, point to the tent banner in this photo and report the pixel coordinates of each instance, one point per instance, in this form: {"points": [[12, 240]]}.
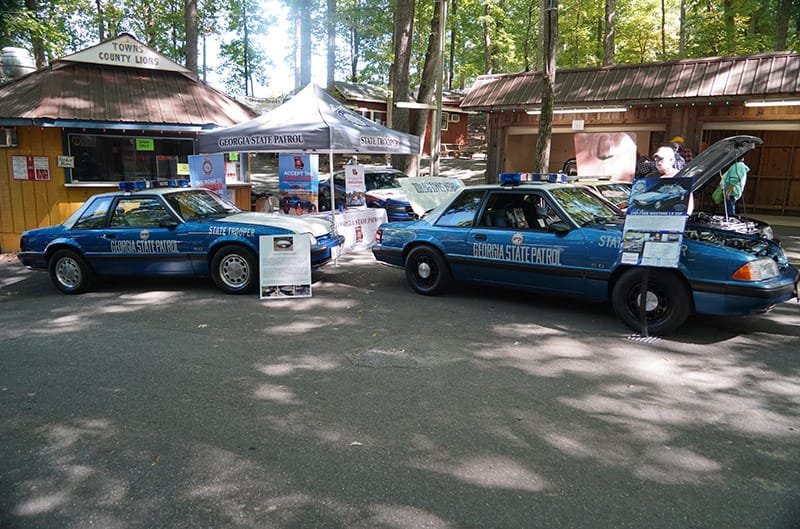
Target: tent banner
{"points": [[298, 182], [208, 171]]}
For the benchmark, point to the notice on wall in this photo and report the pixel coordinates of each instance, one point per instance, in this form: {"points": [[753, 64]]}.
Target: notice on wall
{"points": [[31, 168], [285, 266]]}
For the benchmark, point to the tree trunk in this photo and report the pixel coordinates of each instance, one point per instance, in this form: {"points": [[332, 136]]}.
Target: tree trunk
{"points": [[403, 39], [431, 77], [305, 42], [550, 41], [782, 27], [36, 42], [101, 26], [331, 29], [609, 33], [190, 18]]}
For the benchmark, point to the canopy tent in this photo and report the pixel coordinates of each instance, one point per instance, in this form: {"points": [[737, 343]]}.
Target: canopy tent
{"points": [[311, 121]]}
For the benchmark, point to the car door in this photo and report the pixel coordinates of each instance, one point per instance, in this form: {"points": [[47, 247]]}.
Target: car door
{"points": [[452, 228], [141, 237], [521, 240]]}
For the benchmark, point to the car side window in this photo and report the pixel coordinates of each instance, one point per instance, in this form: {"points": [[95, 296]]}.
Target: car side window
{"points": [[139, 212], [519, 211], [95, 215], [462, 210]]}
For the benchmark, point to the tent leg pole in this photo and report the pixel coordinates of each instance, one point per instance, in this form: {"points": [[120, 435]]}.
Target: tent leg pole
{"points": [[333, 202]]}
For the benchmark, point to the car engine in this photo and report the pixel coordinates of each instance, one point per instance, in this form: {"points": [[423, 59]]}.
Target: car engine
{"points": [[735, 224], [760, 247]]}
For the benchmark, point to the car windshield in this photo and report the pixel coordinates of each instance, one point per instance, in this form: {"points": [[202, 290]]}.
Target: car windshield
{"points": [[381, 181], [200, 204], [583, 206]]}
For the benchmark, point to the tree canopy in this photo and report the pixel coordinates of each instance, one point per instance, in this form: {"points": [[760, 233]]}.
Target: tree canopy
{"points": [[483, 36]]}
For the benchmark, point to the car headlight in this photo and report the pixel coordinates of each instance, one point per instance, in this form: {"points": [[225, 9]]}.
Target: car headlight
{"points": [[758, 270], [313, 240]]}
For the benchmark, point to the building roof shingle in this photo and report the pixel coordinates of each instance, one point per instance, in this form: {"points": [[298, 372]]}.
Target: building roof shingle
{"points": [[81, 92], [767, 75]]}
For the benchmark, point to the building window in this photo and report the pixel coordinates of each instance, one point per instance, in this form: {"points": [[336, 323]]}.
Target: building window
{"points": [[445, 120], [454, 118], [117, 158]]}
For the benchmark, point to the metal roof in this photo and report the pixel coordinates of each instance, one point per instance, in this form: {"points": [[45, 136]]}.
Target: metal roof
{"points": [[89, 95], [761, 76]]}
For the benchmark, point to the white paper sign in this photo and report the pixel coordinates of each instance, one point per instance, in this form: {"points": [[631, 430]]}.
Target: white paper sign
{"points": [[285, 263]]}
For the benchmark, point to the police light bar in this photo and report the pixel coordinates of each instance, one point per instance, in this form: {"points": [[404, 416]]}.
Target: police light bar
{"points": [[510, 178], [142, 184], [516, 178]]}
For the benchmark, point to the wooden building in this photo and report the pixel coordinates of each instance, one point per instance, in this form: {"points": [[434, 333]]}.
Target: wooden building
{"points": [[701, 100], [113, 112]]}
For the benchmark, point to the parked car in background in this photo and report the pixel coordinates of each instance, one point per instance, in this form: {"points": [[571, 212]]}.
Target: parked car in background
{"points": [[383, 191], [165, 231], [562, 239]]}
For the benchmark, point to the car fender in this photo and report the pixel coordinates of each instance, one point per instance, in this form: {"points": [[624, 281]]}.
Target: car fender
{"points": [[61, 243]]}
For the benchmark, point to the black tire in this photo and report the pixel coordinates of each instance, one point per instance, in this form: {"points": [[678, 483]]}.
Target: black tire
{"points": [[69, 272], [426, 271], [235, 269], [668, 300]]}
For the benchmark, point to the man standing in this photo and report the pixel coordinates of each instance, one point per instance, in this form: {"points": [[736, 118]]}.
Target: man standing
{"points": [[664, 160]]}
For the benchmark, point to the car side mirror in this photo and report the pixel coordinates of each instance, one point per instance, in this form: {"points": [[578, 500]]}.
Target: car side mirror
{"points": [[559, 227]]}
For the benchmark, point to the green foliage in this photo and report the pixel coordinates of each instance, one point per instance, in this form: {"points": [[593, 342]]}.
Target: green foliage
{"points": [[364, 32]]}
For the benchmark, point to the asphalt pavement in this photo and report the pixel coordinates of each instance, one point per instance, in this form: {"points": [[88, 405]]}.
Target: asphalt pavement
{"points": [[166, 404]]}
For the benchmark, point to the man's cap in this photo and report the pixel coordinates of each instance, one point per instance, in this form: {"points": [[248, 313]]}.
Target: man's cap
{"points": [[677, 139]]}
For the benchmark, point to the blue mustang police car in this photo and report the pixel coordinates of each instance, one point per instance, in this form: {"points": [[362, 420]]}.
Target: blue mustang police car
{"points": [[562, 239], [167, 231]]}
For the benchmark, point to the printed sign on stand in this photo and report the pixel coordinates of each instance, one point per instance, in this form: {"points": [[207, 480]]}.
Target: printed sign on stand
{"points": [[354, 187], [654, 224], [285, 266]]}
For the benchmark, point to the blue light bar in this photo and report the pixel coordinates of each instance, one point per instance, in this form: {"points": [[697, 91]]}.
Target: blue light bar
{"points": [[510, 178]]}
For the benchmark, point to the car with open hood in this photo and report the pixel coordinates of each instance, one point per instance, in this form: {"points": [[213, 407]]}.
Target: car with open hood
{"points": [[562, 239], [143, 230], [382, 191]]}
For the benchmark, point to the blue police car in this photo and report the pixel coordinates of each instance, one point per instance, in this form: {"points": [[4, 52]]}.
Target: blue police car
{"points": [[165, 231], [562, 239]]}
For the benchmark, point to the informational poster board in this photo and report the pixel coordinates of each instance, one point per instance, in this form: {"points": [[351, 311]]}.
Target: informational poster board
{"points": [[31, 168], [655, 222], [285, 266], [298, 183], [355, 189], [208, 171]]}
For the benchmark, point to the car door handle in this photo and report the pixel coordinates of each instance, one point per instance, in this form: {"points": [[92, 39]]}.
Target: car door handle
{"points": [[480, 237], [109, 236]]}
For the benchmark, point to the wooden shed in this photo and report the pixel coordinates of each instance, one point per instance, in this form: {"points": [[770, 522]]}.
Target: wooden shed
{"points": [[701, 100]]}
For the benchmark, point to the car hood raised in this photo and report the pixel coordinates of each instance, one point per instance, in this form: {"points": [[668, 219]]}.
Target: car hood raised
{"points": [[298, 224], [716, 159]]}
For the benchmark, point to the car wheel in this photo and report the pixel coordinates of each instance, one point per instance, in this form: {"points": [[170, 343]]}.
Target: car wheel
{"points": [[426, 271], [668, 301], [69, 272], [234, 270]]}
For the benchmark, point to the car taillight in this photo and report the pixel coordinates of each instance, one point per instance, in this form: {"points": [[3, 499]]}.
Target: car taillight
{"points": [[378, 236], [21, 244]]}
